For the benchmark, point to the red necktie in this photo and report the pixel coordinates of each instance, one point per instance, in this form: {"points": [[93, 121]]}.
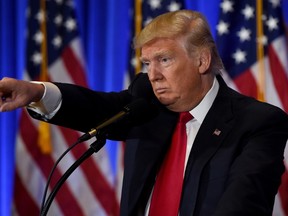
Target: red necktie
{"points": [[168, 186]]}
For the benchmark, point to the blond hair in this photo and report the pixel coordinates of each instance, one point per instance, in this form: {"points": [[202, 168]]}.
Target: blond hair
{"points": [[189, 24]]}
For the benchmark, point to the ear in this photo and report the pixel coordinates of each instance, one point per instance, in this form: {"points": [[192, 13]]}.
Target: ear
{"points": [[204, 60]]}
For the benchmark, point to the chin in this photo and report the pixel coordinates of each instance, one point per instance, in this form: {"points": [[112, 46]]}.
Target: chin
{"points": [[169, 103], [170, 106], [165, 101]]}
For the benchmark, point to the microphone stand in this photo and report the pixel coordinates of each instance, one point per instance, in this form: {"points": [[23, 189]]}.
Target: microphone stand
{"points": [[94, 148]]}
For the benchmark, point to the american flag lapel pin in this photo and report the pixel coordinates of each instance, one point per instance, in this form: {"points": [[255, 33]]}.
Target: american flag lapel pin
{"points": [[216, 132]]}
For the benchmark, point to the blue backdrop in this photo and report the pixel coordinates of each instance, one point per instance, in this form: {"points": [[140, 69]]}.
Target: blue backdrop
{"points": [[104, 28]]}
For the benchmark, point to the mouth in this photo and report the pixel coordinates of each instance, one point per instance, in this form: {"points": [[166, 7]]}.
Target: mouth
{"points": [[160, 90]]}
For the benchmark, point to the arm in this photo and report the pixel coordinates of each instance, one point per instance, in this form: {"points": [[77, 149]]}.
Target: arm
{"points": [[255, 174], [83, 109]]}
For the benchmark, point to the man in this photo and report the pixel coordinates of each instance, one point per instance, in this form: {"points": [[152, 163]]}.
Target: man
{"points": [[234, 157]]}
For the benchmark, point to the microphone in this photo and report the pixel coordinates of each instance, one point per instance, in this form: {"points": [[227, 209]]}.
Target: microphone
{"points": [[138, 111]]}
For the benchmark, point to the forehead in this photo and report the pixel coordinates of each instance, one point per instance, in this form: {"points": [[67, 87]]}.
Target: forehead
{"points": [[161, 46]]}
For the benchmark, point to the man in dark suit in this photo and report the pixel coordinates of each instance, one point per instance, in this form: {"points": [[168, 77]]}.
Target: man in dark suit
{"points": [[233, 159]]}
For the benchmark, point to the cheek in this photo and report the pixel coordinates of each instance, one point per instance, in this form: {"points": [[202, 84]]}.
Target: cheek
{"points": [[181, 78], [187, 83]]}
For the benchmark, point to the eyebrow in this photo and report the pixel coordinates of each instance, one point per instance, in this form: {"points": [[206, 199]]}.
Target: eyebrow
{"points": [[157, 54]]}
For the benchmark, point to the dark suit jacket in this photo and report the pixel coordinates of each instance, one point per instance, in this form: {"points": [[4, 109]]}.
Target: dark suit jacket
{"points": [[236, 172]]}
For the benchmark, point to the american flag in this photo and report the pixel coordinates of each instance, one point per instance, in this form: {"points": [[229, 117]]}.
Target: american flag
{"points": [[252, 44], [53, 53]]}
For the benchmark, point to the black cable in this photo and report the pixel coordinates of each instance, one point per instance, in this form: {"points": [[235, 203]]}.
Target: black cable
{"points": [[52, 171], [94, 147]]}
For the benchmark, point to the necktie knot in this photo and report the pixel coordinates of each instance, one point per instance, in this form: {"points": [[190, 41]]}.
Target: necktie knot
{"points": [[184, 117]]}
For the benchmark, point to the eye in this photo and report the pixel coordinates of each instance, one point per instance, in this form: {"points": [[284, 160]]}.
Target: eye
{"points": [[145, 63], [145, 66], [165, 61]]}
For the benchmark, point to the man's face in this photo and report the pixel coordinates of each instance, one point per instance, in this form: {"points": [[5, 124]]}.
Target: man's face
{"points": [[174, 75]]}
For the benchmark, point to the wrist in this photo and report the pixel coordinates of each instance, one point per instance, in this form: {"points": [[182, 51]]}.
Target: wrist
{"points": [[39, 89]]}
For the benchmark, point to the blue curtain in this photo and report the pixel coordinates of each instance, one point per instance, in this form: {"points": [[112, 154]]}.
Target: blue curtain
{"points": [[12, 23], [104, 28]]}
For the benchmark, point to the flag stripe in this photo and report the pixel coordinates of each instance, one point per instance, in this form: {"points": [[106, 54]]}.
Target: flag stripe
{"points": [[22, 204], [45, 163], [279, 77], [246, 83], [75, 45], [73, 64], [283, 190], [55, 76], [28, 171], [95, 178], [77, 181]]}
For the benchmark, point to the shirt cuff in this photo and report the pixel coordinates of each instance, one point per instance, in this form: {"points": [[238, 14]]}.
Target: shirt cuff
{"points": [[50, 102]]}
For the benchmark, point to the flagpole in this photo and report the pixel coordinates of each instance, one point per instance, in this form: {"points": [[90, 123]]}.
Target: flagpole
{"points": [[260, 51], [138, 27], [44, 139]]}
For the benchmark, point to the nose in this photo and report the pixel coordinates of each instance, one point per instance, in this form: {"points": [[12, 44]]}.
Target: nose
{"points": [[154, 73]]}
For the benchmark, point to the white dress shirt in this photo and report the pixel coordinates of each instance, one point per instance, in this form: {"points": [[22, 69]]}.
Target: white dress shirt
{"points": [[199, 113], [50, 102]]}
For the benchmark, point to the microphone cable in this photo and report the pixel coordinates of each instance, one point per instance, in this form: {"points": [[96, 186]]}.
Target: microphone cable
{"points": [[52, 172], [81, 139], [138, 110]]}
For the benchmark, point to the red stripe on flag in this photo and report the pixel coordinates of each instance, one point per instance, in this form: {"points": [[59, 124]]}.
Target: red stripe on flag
{"points": [[101, 188], [283, 189], [67, 202], [74, 66], [27, 206], [246, 84], [279, 77]]}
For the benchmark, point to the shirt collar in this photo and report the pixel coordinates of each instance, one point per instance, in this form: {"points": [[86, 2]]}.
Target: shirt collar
{"points": [[200, 111]]}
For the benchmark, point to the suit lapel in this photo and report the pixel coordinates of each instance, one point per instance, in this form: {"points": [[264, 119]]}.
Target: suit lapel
{"points": [[148, 154], [217, 124]]}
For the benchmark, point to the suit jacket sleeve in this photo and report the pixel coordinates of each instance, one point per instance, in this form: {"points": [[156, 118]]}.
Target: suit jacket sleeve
{"points": [[256, 171], [83, 109]]}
